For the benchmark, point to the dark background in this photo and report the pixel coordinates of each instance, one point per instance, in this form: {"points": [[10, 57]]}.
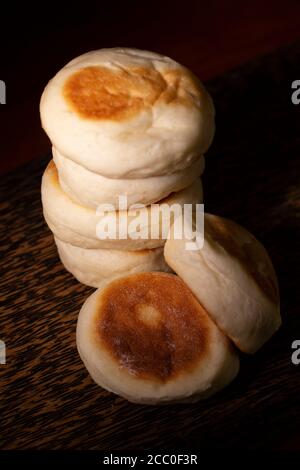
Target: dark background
{"points": [[211, 38]]}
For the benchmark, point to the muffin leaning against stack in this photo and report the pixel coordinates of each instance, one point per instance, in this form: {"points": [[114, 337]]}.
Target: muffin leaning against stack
{"points": [[122, 122]]}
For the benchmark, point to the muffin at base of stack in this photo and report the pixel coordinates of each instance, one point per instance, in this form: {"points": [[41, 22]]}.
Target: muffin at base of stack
{"points": [[91, 267]]}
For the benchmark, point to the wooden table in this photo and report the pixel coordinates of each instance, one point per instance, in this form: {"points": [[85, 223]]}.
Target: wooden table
{"points": [[47, 399]]}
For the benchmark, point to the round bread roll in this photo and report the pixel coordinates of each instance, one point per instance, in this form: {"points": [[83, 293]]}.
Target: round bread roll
{"points": [[83, 226], [233, 278], [147, 338], [91, 267], [92, 189], [125, 113]]}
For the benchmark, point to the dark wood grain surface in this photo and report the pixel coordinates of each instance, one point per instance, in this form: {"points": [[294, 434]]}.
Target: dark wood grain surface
{"points": [[48, 400]]}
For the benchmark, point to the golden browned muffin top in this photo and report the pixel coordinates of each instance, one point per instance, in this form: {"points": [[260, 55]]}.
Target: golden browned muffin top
{"points": [[98, 92], [153, 326]]}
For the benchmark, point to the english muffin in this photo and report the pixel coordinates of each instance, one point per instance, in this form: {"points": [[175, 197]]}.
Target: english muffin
{"points": [[126, 113], [148, 339], [233, 278], [92, 189], [140, 228], [92, 267]]}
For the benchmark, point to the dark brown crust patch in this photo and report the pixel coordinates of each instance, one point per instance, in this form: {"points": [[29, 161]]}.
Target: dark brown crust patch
{"points": [[98, 92], [152, 325], [245, 248]]}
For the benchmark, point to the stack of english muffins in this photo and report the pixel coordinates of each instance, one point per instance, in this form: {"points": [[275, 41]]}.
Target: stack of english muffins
{"points": [[167, 321], [128, 123]]}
